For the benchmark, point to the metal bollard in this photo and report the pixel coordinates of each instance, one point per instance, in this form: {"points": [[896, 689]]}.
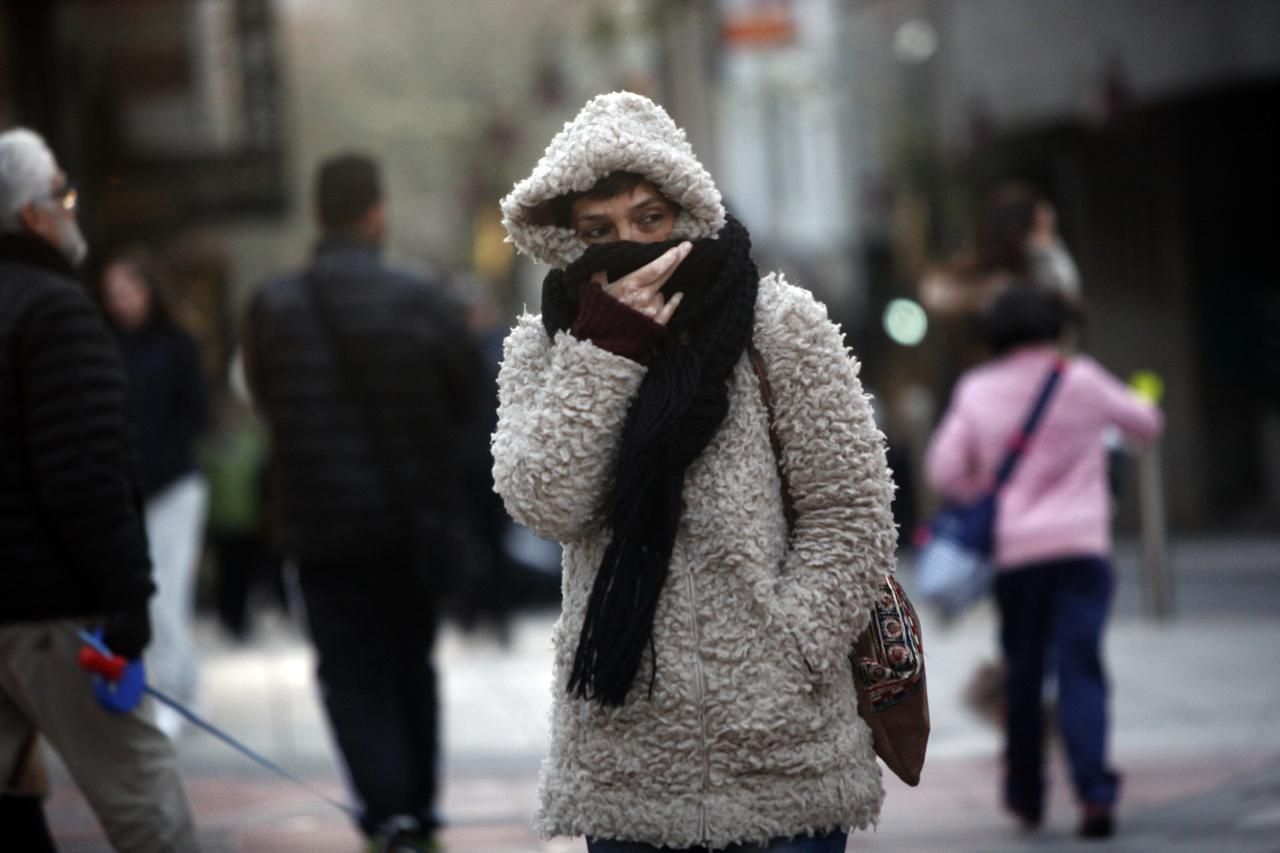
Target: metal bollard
{"points": [[1155, 537]]}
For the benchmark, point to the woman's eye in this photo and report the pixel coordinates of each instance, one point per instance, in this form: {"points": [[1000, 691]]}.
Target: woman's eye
{"points": [[653, 217], [596, 233]]}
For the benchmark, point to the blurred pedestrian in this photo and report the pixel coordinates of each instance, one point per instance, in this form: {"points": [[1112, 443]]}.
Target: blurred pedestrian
{"points": [[1016, 239], [169, 409], [1054, 578], [235, 458], [367, 377], [493, 595], [73, 546], [703, 692]]}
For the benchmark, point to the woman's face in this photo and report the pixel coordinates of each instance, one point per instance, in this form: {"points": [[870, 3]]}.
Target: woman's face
{"points": [[1044, 225], [642, 215], [125, 295]]}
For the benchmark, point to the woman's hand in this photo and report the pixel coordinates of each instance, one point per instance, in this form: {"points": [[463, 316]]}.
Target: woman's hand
{"points": [[641, 290]]}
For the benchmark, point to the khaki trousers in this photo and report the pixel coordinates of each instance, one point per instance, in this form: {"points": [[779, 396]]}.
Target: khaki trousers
{"points": [[127, 769]]}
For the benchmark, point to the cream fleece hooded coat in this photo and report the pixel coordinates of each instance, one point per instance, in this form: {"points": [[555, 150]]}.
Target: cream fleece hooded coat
{"points": [[751, 729]]}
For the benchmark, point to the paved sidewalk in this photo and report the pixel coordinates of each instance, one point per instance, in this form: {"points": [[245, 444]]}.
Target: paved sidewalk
{"points": [[1196, 733]]}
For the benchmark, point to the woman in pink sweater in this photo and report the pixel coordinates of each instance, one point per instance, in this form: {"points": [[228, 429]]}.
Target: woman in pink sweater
{"points": [[1052, 536]]}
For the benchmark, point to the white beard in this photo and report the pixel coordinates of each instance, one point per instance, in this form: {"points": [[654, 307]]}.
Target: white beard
{"points": [[71, 241]]}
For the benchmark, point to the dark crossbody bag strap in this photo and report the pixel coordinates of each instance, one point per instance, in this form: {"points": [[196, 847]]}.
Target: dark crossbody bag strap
{"points": [[1018, 443], [349, 376], [766, 394]]}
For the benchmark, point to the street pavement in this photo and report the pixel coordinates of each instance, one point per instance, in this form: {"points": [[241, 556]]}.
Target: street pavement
{"points": [[1196, 713]]}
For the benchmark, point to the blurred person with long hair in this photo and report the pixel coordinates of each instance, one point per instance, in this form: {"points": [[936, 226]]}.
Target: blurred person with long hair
{"points": [[169, 405], [1054, 580], [1015, 239], [703, 691]]}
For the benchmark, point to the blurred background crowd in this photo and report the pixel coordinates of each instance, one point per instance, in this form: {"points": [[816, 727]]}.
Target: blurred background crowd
{"points": [[192, 128], [865, 143]]}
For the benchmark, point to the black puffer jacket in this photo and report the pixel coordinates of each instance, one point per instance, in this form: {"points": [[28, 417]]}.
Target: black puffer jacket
{"points": [[72, 542], [422, 378]]}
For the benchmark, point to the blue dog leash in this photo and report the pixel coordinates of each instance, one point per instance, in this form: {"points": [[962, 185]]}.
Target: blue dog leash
{"points": [[123, 694]]}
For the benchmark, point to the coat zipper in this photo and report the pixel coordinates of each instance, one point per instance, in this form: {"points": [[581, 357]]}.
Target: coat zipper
{"points": [[700, 688]]}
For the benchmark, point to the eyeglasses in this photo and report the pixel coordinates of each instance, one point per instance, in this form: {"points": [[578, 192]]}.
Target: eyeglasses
{"points": [[66, 197]]}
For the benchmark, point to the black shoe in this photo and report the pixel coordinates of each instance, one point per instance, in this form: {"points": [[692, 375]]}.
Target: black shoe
{"points": [[22, 816], [403, 834], [1028, 820], [1098, 821]]}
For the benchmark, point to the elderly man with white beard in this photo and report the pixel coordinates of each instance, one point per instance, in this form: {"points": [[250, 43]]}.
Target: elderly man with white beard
{"points": [[73, 548]]}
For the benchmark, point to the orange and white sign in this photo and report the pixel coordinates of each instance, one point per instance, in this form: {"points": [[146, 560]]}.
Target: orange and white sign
{"points": [[747, 24]]}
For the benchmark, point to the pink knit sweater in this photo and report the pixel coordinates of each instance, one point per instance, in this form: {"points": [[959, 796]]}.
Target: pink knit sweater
{"points": [[1056, 504]]}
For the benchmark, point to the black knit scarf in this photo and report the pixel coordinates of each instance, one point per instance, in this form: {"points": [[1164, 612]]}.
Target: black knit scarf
{"points": [[681, 402]]}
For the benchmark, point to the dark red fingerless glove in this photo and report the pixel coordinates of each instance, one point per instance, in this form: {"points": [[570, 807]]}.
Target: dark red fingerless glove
{"points": [[613, 326]]}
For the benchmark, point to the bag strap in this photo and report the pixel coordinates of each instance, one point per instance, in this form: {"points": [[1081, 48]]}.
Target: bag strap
{"points": [[788, 506], [1018, 443], [766, 394]]}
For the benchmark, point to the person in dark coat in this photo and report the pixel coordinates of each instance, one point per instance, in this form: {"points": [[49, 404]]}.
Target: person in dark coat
{"points": [[367, 377], [73, 547], [169, 410]]}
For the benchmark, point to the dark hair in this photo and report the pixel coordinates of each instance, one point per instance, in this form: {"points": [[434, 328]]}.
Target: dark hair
{"points": [[559, 211], [1002, 234], [347, 185], [149, 273], [1024, 313]]}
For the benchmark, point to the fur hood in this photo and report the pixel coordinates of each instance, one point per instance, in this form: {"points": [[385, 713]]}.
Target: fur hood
{"points": [[620, 131]]}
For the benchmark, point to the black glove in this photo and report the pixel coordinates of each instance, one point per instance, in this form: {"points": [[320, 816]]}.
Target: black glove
{"points": [[127, 633]]}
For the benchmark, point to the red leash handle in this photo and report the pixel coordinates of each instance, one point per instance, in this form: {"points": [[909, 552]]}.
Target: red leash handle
{"points": [[110, 667]]}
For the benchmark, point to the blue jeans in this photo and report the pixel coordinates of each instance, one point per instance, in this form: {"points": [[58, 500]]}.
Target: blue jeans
{"points": [[1053, 613], [831, 842]]}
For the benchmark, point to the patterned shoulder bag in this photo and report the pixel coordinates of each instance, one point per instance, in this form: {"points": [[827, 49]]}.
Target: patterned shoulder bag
{"points": [[888, 658]]}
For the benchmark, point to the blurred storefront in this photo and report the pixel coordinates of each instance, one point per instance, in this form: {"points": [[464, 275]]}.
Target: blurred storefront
{"points": [[1150, 125], [856, 138], [166, 115]]}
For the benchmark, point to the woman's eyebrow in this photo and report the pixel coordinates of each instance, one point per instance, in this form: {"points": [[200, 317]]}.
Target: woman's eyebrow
{"points": [[647, 201], [595, 216]]}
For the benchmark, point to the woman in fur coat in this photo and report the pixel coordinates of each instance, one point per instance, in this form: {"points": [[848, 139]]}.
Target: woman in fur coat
{"points": [[703, 692]]}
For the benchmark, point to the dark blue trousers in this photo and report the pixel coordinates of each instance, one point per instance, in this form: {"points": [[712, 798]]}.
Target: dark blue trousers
{"points": [[373, 630], [828, 842], [1051, 617]]}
